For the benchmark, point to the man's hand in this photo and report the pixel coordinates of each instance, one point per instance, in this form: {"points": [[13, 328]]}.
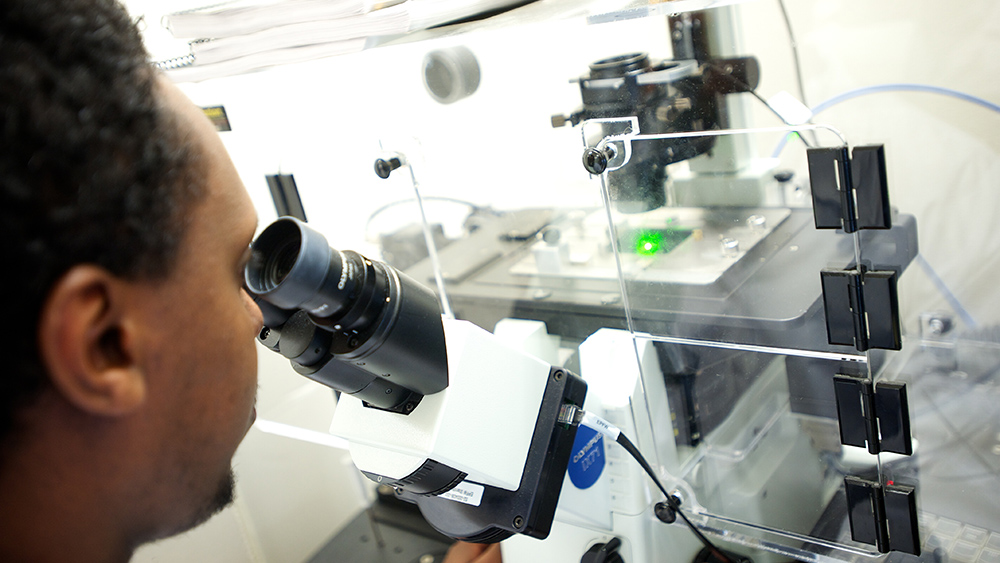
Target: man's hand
{"points": [[462, 552]]}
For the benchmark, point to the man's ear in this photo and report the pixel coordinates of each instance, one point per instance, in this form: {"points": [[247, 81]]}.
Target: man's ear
{"points": [[87, 340]]}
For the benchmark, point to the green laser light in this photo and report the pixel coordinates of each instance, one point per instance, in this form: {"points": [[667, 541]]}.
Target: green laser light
{"points": [[648, 243]]}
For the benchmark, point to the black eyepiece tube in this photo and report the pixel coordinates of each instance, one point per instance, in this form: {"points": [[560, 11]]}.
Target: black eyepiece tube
{"points": [[379, 320], [361, 384], [274, 316]]}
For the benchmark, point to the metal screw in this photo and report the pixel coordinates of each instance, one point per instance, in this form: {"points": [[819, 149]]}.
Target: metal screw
{"points": [[558, 375], [353, 342], [596, 160], [611, 299], [936, 326], [784, 175], [384, 167], [757, 223], [664, 513], [730, 247], [518, 521], [551, 236]]}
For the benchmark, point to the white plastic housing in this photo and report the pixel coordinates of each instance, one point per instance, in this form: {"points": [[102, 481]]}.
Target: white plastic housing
{"points": [[481, 424]]}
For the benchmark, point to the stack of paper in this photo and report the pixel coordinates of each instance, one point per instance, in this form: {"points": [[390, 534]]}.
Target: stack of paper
{"points": [[245, 35]]}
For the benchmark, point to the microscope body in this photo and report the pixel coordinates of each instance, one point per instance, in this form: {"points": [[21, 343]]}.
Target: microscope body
{"points": [[481, 424]]}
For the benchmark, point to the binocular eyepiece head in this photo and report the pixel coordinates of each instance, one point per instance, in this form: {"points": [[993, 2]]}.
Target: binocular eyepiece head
{"points": [[372, 331]]}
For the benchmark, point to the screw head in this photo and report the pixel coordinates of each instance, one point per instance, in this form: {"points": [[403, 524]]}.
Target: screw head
{"points": [[595, 161], [541, 295], [730, 247], [784, 175], [664, 513], [611, 299], [551, 235], [518, 521], [385, 167]]}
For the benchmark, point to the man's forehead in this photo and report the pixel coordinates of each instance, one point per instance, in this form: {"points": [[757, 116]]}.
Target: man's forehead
{"points": [[226, 199], [193, 123]]}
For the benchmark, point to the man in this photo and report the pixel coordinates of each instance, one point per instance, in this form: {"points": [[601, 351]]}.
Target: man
{"points": [[135, 369], [126, 229]]}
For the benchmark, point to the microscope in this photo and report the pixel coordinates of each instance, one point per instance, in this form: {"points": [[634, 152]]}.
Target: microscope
{"points": [[454, 420]]}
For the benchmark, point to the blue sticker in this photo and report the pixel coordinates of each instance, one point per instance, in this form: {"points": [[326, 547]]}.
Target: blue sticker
{"points": [[587, 460]]}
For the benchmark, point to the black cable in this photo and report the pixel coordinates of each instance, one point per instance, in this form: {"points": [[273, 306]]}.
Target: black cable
{"points": [[671, 501], [472, 206], [747, 89], [795, 52], [795, 61], [571, 414]]}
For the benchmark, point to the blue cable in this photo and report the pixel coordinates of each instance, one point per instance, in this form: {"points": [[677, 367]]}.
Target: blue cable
{"points": [[894, 87], [950, 297]]}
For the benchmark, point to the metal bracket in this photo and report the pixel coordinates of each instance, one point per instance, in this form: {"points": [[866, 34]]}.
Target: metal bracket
{"points": [[878, 419], [849, 192], [862, 308], [883, 516]]}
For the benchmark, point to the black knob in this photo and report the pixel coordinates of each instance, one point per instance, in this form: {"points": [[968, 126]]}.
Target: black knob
{"points": [[664, 513], [784, 175], [384, 167], [604, 553], [596, 160]]}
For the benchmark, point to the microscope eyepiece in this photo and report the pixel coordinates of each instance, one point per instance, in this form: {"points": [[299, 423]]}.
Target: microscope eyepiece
{"points": [[291, 266], [280, 265]]}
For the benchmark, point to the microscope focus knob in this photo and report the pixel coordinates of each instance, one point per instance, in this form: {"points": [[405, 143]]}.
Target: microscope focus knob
{"points": [[604, 553]]}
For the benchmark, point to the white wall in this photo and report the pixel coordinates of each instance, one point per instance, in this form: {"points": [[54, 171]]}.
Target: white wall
{"points": [[943, 154], [323, 121]]}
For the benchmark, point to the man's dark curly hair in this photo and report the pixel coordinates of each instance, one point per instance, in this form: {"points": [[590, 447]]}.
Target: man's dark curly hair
{"points": [[93, 168]]}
